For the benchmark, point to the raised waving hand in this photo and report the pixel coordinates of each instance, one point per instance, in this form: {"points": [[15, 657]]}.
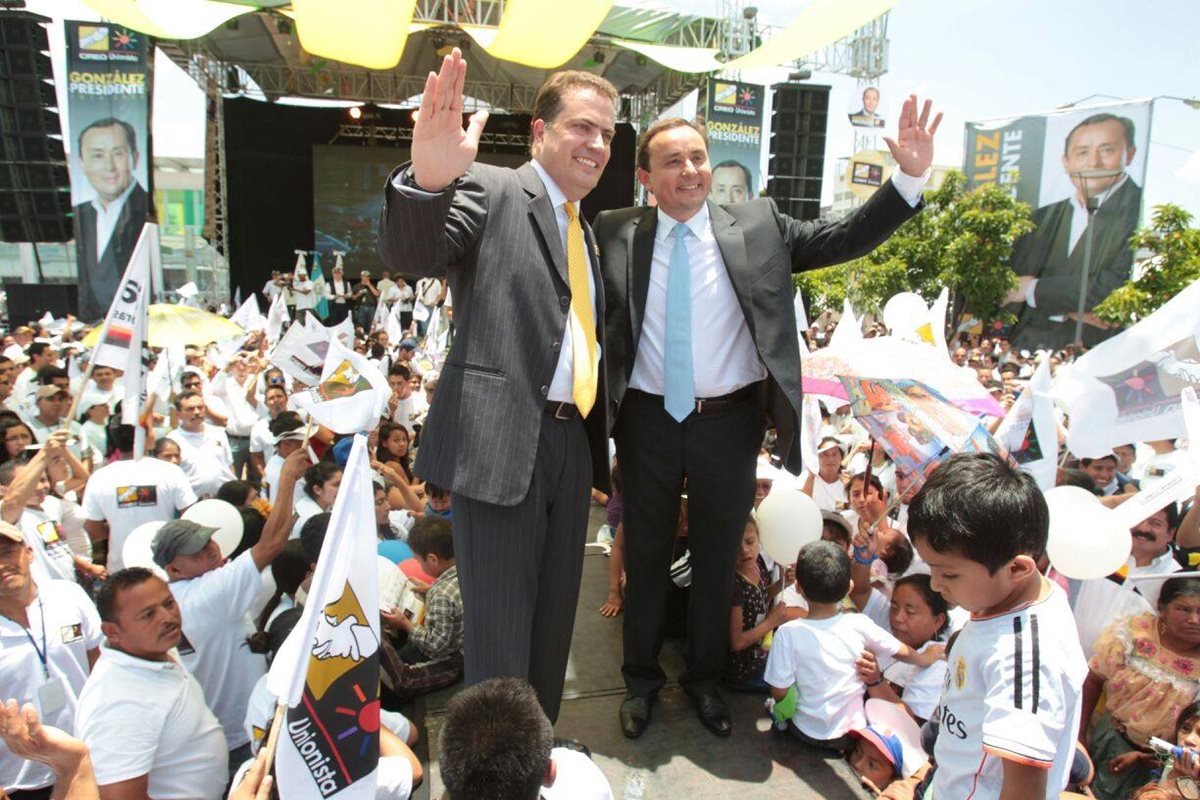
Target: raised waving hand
{"points": [[442, 149]]}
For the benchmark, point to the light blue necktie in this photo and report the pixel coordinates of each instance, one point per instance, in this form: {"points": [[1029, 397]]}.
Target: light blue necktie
{"points": [[679, 390]]}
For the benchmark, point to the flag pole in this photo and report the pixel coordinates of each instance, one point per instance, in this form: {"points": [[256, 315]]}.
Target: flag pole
{"points": [[273, 737]]}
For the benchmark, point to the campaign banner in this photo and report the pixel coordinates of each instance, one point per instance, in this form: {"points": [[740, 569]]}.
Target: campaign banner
{"points": [[1082, 171], [108, 108], [734, 116]]}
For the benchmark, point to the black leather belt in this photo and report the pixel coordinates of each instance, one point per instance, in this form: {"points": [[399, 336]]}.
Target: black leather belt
{"points": [[560, 410], [714, 405]]}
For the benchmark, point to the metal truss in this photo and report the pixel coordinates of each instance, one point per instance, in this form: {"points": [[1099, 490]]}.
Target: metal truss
{"points": [[391, 133], [863, 54]]}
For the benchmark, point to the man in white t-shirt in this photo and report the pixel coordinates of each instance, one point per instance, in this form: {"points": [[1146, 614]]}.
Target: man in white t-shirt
{"points": [[126, 493], [215, 598], [141, 713], [288, 431], [401, 404], [262, 441], [49, 635], [827, 486], [232, 385], [204, 449], [305, 294], [495, 736]]}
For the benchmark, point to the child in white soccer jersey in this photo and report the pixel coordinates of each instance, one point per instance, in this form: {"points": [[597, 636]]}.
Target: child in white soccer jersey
{"points": [[1010, 708]]}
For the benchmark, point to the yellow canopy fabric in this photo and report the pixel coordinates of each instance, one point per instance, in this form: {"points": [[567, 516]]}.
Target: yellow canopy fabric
{"points": [[680, 59], [168, 19], [369, 33], [175, 325], [819, 25], [545, 34]]}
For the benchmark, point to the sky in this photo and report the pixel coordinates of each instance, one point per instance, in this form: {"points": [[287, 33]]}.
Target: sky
{"points": [[976, 59]]}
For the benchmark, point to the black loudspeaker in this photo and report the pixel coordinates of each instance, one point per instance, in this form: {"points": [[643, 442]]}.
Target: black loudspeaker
{"points": [[799, 117], [35, 193], [29, 301]]}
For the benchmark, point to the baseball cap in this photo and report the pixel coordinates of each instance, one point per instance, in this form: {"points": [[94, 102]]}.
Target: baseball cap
{"points": [[179, 537], [10, 531], [408, 343], [895, 735], [49, 390], [839, 520], [290, 436], [828, 443]]}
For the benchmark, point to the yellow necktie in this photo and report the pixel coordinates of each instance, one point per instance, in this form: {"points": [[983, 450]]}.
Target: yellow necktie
{"points": [[583, 347]]}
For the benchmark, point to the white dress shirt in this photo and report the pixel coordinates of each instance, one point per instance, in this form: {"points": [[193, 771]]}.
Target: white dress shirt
{"points": [[724, 357], [562, 387], [106, 219]]}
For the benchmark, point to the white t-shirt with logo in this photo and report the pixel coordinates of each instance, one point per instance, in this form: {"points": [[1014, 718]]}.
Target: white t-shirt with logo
{"points": [[262, 440], [142, 717], [829, 496], [215, 609], [817, 657], [71, 629], [205, 457], [42, 528], [1012, 691], [126, 494]]}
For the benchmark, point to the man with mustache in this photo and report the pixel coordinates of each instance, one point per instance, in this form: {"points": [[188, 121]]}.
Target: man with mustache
{"points": [[49, 639], [1102, 600], [141, 713], [215, 598]]}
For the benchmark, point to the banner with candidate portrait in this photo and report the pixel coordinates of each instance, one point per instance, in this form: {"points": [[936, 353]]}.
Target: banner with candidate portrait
{"points": [[1082, 172], [733, 113], [108, 107]]}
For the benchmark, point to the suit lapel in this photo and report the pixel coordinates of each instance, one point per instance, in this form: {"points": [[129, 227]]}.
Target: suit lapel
{"points": [[639, 261], [543, 215], [732, 245]]}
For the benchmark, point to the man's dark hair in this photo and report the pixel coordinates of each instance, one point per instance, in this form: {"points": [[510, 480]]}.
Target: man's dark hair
{"points": [[187, 394], [401, 370], [549, 99], [495, 742], [823, 572], [275, 387], [979, 506], [1087, 462], [36, 349], [875, 482], [286, 422], [121, 438], [662, 125], [47, 375], [432, 535], [435, 492], [312, 535], [106, 597], [1077, 477], [109, 122], [1010, 366], [733, 162], [1098, 119]]}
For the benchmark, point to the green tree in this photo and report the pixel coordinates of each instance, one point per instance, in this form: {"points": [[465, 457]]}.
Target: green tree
{"points": [[962, 240], [1174, 266]]}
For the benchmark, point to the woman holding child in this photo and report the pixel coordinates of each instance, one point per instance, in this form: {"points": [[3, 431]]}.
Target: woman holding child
{"points": [[1149, 668]]}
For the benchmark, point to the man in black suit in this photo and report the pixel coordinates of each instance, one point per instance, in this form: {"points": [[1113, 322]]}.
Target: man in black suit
{"points": [[702, 350], [1049, 259], [518, 430], [107, 227]]}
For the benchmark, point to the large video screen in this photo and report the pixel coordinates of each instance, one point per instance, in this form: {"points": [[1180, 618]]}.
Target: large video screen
{"points": [[347, 197]]}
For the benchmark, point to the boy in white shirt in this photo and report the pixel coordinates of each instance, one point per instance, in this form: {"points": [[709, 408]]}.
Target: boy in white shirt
{"points": [[811, 668], [1010, 707]]}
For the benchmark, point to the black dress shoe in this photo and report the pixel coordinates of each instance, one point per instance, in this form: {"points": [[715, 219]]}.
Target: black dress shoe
{"points": [[635, 716], [713, 713], [571, 744]]}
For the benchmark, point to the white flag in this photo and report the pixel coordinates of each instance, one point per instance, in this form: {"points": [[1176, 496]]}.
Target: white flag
{"points": [[248, 314], [352, 393], [935, 331], [277, 318], [1029, 431], [849, 328], [1127, 388], [302, 351], [379, 322], [327, 672], [395, 331], [123, 335]]}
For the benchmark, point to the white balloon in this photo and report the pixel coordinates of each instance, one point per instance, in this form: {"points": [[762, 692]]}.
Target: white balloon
{"points": [[1069, 495], [136, 552], [1087, 540], [904, 313], [787, 520], [223, 516]]}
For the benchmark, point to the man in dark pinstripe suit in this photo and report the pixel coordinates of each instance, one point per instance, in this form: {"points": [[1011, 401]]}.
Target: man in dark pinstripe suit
{"points": [[518, 430]]}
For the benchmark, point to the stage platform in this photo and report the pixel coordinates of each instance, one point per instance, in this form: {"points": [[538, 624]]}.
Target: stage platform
{"points": [[677, 758]]}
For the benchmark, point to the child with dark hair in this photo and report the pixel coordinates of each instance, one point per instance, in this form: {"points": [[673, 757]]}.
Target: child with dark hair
{"points": [[1010, 707], [431, 657], [811, 666]]}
